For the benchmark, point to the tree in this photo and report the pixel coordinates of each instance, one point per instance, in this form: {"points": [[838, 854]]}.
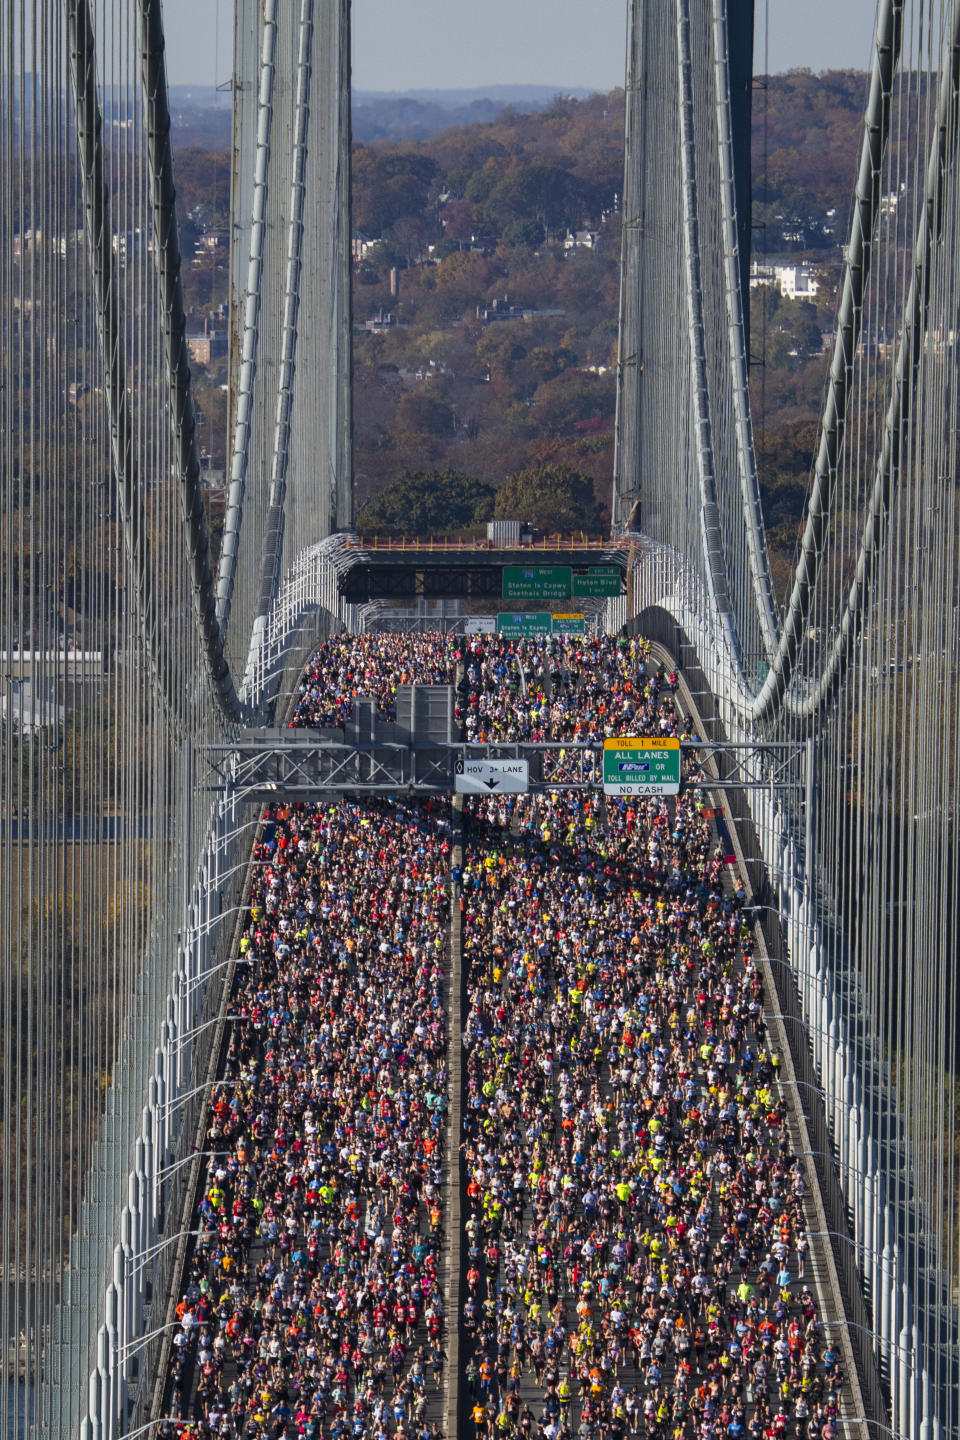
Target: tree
{"points": [[554, 498], [533, 193], [573, 396], [203, 182], [525, 393], [389, 185], [457, 220], [785, 456], [499, 351], [523, 232], [388, 254], [427, 502], [445, 247], [547, 362], [424, 410], [464, 278]]}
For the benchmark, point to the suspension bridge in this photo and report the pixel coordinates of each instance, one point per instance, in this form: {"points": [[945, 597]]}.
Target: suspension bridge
{"points": [[143, 681]]}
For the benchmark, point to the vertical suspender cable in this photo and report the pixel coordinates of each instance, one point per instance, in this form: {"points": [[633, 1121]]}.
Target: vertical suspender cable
{"points": [[98, 227], [273, 540], [942, 156], [167, 245], [233, 518], [629, 360], [849, 322], [716, 573], [736, 335]]}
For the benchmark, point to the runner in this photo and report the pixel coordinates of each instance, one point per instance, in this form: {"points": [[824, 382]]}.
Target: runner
{"points": [[635, 1219]]}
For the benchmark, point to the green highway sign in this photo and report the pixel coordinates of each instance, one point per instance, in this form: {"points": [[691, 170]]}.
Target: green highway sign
{"points": [[569, 625], [525, 626], [537, 582], [599, 580], [641, 766]]}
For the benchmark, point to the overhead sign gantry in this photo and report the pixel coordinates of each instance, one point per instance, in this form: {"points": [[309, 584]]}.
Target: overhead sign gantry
{"points": [[565, 569], [641, 766], [491, 777]]}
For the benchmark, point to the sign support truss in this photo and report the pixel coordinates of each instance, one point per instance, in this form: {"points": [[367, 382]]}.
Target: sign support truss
{"points": [[300, 764]]}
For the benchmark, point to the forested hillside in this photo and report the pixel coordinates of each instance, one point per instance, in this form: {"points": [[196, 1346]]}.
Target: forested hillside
{"points": [[418, 114], [486, 282], [497, 348]]}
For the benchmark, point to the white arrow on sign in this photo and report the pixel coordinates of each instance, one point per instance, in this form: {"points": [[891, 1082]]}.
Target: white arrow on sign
{"points": [[489, 777]]}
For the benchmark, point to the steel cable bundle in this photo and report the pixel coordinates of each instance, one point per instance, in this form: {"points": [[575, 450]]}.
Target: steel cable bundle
{"points": [[859, 656]]}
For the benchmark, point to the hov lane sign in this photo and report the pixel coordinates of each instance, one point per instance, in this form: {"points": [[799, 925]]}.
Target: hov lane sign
{"points": [[491, 777], [641, 766]]}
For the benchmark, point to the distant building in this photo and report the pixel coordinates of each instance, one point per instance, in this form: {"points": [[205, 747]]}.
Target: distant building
{"points": [[581, 240], [498, 310], [86, 667], [795, 282], [383, 320], [40, 683], [890, 201], [28, 712], [126, 244], [207, 245], [208, 346], [762, 275], [798, 282], [37, 241], [422, 373], [362, 245], [211, 478]]}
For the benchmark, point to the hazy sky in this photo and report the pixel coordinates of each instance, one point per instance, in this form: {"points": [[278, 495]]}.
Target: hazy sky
{"points": [[449, 44]]}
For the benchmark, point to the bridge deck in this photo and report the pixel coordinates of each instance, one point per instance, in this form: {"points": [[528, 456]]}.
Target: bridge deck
{"points": [[493, 1279]]}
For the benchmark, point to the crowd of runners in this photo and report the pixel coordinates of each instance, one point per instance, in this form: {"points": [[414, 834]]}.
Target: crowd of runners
{"points": [[634, 1219]]}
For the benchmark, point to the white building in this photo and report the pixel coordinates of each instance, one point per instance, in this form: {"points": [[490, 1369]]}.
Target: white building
{"points": [[890, 201], [362, 245], [762, 275], [581, 240], [796, 282], [29, 712]]}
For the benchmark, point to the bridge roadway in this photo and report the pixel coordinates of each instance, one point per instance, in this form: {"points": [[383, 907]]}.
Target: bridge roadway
{"points": [[558, 944]]}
